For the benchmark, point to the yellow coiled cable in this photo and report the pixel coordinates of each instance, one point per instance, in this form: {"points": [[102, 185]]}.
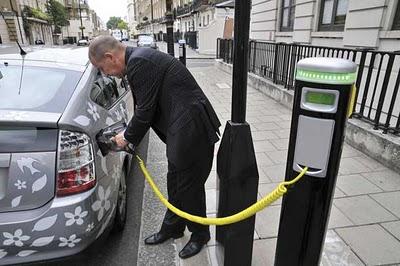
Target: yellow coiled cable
{"points": [[246, 213]]}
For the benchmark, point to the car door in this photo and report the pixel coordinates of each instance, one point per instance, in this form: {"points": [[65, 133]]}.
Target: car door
{"points": [[114, 95]]}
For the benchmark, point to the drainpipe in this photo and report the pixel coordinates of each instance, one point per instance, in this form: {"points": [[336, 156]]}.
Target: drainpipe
{"points": [[80, 16]]}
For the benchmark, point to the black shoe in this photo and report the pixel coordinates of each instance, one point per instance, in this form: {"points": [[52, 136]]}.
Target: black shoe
{"points": [[161, 237], [192, 248]]}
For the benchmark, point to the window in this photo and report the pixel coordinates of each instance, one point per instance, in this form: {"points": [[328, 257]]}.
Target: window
{"points": [[333, 15], [396, 21], [287, 16], [105, 91], [21, 89]]}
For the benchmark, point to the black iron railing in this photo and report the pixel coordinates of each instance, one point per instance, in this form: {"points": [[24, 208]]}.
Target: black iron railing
{"points": [[177, 36], [225, 50], [199, 3], [191, 39], [378, 76], [183, 10]]}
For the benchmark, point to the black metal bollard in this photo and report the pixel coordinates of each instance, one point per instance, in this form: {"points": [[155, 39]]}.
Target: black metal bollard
{"points": [[182, 52], [236, 160]]}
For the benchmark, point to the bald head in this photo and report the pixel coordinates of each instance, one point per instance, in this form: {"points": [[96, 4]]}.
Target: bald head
{"points": [[103, 44], [108, 55]]}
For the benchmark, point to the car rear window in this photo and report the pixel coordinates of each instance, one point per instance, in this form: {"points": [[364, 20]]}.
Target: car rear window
{"points": [[36, 88]]}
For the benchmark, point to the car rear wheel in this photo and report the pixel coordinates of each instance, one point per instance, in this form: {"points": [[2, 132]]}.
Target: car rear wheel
{"points": [[121, 213]]}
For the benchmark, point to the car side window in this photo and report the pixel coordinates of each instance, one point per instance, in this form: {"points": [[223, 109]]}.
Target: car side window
{"points": [[111, 89], [97, 94], [107, 90], [104, 91]]}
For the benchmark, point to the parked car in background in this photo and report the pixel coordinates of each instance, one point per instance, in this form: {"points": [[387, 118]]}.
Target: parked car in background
{"points": [[146, 41], [117, 34], [58, 193], [83, 42], [39, 42], [125, 35]]}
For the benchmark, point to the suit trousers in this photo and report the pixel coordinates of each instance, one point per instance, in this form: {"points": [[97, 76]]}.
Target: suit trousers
{"points": [[186, 192]]}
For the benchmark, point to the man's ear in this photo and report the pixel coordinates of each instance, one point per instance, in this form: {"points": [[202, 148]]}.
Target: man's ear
{"points": [[108, 55]]}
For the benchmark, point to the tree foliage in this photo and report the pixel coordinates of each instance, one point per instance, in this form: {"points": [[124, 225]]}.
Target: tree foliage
{"points": [[58, 15], [113, 23], [122, 25], [37, 13], [26, 13]]}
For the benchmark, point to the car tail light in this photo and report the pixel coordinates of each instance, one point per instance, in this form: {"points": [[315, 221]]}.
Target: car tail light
{"points": [[75, 163]]}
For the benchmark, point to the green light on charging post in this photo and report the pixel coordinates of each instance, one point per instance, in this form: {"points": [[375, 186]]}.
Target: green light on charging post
{"points": [[325, 77], [320, 98]]}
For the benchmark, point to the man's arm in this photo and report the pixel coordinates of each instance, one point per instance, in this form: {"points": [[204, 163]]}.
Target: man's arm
{"points": [[145, 77]]}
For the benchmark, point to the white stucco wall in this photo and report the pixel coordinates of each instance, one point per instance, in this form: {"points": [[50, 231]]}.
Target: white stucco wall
{"points": [[5, 38], [74, 29], [215, 29], [368, 24]]}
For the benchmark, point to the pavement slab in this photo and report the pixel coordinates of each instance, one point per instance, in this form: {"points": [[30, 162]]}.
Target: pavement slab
{"points": [[373, 244]]}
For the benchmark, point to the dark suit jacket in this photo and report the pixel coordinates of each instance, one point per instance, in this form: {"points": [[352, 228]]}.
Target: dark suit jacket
{"points": [[169, 100]]}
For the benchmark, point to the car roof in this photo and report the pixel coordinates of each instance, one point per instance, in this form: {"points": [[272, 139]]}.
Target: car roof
{"points": [[72, 58]]}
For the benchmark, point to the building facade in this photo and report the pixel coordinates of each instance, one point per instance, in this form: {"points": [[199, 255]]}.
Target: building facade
{"points": [[364, 31], [340, 23], [17, 24], [28, 22], [151, 17], [81, 24], [132, 16], [199, 22]]}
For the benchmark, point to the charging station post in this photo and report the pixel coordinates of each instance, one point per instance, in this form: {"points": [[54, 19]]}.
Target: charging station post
{"points": [[322, 103]]}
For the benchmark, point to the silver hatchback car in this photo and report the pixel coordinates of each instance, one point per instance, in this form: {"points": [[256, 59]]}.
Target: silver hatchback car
{"points": [[58, 194]]}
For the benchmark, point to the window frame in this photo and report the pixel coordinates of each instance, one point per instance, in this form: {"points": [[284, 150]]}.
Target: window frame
{"points": [[396, 19], [332, 26], [292, 5], [111, 102]]}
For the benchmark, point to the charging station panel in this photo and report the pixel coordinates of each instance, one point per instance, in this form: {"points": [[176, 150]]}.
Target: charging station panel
{"points": [[319, 100], [313, 145]]}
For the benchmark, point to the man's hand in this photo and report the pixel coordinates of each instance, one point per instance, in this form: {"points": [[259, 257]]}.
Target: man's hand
{"points": [[119, 139]]}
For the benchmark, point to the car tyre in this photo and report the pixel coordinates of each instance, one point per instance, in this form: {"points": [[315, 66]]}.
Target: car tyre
{"points": [[122, 207]]}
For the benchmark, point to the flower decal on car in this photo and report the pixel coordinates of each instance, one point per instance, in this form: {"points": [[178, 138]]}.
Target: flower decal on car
{"points": [[90, 227], [70, 242], [93, 111], [15, 115], [115, 174], [76, 217], [103, 204], [16, 239], [20, 184]]}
